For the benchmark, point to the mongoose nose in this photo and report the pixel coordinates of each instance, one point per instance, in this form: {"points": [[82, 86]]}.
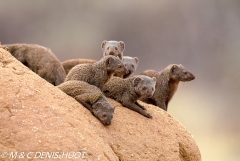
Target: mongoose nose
{"points": [[107, 123], [111, 53], [149, 95], [127, 71]]}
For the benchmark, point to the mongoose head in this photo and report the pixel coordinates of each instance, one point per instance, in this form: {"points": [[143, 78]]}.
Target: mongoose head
{"points": [[130, 64], [180, 73], [115, 48], [144, 86], [114, 65], [104, 111]]}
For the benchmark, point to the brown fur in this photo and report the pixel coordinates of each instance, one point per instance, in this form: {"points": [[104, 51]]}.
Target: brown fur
{"points": [[167, 83], [127, 91], [98, 73], [130, 64], [69, 64], [90, 97], [40, 60]]}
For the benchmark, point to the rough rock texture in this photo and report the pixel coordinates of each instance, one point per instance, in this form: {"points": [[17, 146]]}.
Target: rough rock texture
{"points": [[36, 117]]}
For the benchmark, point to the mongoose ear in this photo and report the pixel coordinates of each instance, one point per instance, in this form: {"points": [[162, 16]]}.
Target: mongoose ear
{"points": [[173, 68], [136, 59], [103, 44], [97, 106], [122, 44], [154, 79], [136, 81], [109, 61]]}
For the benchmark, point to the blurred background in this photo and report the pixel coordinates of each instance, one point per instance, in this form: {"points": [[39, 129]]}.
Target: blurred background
{"points": [[204, 36]]}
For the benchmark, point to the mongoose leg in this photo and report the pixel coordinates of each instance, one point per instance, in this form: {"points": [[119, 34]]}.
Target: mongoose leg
{"points": [[85, 104], [142, 107], [161, 104], [138, 109]]}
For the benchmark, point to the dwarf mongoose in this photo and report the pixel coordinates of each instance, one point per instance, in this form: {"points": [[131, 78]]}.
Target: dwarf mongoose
{"points": [[40, 60], [91, 97], [69, 64], [115, 48], [98, 73], [130, 64], [167, 83], [127, 91]]}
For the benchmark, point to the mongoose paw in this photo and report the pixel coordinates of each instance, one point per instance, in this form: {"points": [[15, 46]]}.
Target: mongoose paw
{"points": [[148, 116]]}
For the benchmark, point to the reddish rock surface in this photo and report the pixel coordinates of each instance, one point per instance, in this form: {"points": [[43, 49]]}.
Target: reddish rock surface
{"points": [[36, 117]]}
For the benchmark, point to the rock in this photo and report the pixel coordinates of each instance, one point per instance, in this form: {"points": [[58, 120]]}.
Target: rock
{"points": [[36, 117]]}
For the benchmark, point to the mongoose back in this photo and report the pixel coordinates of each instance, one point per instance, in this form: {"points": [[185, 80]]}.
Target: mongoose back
{"points": [[115, 48], [130, 64], [40, 60], [69, 64], [98, 73], [91, 97], [127, 91], [167, 83]]}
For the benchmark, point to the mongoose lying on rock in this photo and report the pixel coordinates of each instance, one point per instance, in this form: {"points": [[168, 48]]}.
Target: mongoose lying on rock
{"points": [[98, 73], [130, 64], [167, 83], [115, 48], [69, 64], [40, 60], [127, 91], [91, 97]]}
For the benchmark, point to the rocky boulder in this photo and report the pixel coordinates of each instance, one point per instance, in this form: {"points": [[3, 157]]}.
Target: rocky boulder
{"points": [[40, 122]]}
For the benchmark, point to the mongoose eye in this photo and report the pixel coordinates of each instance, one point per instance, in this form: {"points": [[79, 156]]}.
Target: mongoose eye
{"points": [[132, 66], [119, 66], [152, 89], [104, 115], [185, 73], [107, 48], [116, 48]]}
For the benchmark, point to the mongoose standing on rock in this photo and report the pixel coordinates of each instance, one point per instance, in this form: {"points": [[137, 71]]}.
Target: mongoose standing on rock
{"points": [[69, 64], [130, 64], [91, 97], [167, 83], [40, 60], [127, 91], [115, 48], [98, 73]]}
